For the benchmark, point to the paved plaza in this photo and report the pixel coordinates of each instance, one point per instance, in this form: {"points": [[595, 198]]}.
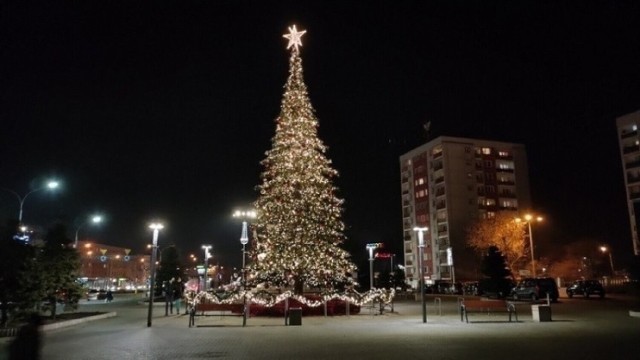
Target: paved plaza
{"points": [[587, 329]]}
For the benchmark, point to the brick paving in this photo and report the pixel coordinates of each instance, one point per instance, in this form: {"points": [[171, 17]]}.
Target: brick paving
{"points": [[587, 330]]}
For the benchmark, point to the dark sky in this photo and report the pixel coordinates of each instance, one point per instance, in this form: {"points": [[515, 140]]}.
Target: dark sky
{"points": [[163, 110]]}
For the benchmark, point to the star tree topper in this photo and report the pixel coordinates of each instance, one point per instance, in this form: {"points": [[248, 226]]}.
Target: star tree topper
{"points": [[294, 37]]}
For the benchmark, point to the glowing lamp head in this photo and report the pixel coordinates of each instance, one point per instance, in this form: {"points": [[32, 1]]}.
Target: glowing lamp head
{"points": [[53, 184], [96, 219], [156, 226]]}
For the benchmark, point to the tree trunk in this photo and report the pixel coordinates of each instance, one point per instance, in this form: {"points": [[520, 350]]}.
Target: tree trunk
{"points": [[298, 288]]}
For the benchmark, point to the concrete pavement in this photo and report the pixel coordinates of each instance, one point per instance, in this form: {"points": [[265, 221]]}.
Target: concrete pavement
{"points": [[585, 329]]}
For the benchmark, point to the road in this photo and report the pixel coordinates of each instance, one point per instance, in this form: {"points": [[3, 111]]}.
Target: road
{"points": [[581, 329]]}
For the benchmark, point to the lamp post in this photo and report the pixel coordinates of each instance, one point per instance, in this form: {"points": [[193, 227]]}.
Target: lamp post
{"points": [[421, 231], [94, 220], [207, 256], [528, 218], [244, 236], [244, 240], [371, 247], [604, 249], [156, 227], [50, 185]]}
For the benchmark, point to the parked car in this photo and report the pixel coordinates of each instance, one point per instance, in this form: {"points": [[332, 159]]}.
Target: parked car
{"points": [[586, 288], [495, 288], [95, 294], [535, 288]]}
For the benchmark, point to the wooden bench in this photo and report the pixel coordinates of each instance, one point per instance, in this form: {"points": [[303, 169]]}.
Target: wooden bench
{"points": [[211, 309], [482, 306]]}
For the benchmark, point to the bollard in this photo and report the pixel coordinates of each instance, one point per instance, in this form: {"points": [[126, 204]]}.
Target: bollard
{"points": [[460, 301], [439, 302], [286, 311]]}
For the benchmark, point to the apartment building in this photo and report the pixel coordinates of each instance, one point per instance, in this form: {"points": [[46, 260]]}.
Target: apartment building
{"points": [[630, 154], [446, 184]]}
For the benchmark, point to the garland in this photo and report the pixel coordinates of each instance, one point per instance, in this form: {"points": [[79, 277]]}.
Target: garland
{"points": [[268, 299]]}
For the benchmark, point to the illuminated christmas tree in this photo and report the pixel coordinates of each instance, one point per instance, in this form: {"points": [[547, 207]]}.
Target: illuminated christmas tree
{"points": [[299, 228]]}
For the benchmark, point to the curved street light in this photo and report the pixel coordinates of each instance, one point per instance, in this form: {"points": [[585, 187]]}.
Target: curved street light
{"points": [[605, 249], [528, 218], [96, 219], [49, 185]]}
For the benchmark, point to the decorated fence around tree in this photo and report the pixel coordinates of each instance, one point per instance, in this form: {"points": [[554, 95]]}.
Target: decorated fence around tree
{"points": [[268, 299]]}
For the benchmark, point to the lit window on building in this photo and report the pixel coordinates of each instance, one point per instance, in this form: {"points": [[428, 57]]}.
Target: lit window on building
{"points": [[491, 214], [634, 127], [503, 153], [486, 151]]}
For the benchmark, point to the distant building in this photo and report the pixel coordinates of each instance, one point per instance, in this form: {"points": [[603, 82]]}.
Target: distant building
{"points": [[105, 266], [630, 154], [446, 184]]}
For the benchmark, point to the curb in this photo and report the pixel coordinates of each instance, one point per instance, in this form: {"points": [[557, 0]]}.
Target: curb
{"points": [[634, 313], [64, 324]]}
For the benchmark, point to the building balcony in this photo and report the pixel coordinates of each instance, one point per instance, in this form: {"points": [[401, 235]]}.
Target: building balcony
{"points": [[632, 179], [628, 134], [506, 194], [441, 205], [634, 195], [632, 164], [439, 180], [630, 149], [506, 182], [499, 170]]}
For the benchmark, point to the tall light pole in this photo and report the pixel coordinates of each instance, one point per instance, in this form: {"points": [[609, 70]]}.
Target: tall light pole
{"points": [[244, 236], [604, 249], [49, 185], [207, 256], [156, 227], [371, 247], [528, 218], [421, 231], [96, 219], [244, 240]]}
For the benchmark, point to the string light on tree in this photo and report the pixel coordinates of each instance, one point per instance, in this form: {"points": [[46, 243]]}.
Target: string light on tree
{"points": [[299, 230]]}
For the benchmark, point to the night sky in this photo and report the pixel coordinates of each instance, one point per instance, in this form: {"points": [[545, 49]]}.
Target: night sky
{"points": [[163, 110]]}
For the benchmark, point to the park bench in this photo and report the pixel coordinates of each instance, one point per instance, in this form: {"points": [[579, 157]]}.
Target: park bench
{"points": [[488, 307], [212, 309]]}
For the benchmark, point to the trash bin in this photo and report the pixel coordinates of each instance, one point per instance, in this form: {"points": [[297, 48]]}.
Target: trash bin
{"points": [[541, 313], [295, 316]]}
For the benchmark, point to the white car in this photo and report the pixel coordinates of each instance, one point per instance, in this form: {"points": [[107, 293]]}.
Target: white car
{"points": [[92, 294]]}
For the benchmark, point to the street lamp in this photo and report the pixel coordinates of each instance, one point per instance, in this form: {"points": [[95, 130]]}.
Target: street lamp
{"points": [[421, 231], [96, 219], [156, 227], [49, 185], [244, 236], [371, 247], [207, 256], [604, 249], [528, 218], [244, 240]]}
